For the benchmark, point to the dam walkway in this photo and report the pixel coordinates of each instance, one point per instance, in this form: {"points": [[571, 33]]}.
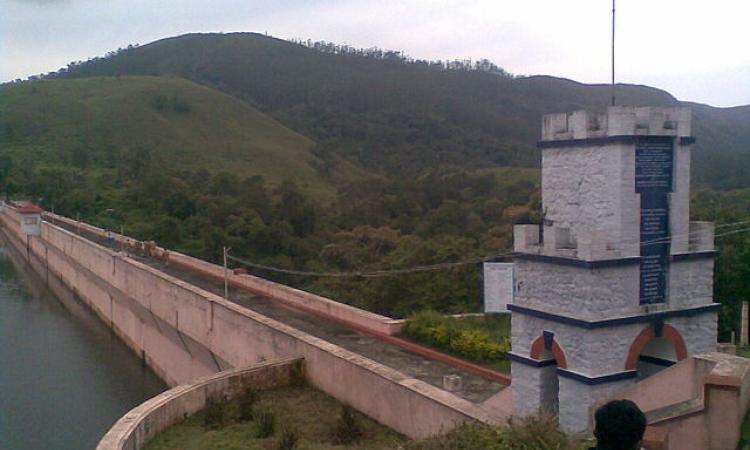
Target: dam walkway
{"points": [[474, 388]]}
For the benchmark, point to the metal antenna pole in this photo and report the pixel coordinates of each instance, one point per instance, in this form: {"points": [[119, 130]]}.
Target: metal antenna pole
{"points": [[613, 52]]}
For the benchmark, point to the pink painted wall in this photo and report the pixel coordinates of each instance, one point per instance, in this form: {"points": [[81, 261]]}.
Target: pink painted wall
{"points": [[130, 295], [150, 418], [675, 384], [700, 401], [276, 291]]}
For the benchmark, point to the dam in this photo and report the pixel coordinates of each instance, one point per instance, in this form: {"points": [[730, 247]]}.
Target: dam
{"points": [[169, 309], [63, 371]]}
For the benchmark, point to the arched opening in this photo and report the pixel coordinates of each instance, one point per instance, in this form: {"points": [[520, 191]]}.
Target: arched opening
{"points": [[551, 356], [656, 356], [656, 348], [550, 395]]}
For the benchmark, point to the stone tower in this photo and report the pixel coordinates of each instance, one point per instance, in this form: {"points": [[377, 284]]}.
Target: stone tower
{"points": [[616, 283]]}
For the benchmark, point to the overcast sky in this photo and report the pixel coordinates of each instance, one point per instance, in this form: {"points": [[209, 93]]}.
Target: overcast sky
{"points": [[695, 49]]}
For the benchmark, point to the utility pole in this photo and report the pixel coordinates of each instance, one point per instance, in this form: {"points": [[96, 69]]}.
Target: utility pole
{"points": [[613, 52], [226, 275]]}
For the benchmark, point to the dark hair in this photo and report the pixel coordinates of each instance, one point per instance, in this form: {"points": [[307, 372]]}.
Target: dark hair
{"points": [[620, 425]]}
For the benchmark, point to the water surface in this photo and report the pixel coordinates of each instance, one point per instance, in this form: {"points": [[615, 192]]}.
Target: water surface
{"points": [[65, 378]]}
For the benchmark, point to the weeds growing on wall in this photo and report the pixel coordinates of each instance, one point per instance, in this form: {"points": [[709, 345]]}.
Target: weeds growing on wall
{"points": [[479, 339], [246, 404], [214, 414]]}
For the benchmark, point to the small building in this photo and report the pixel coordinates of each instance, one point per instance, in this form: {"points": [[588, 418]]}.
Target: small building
{"points": [[497, 280], [31, 219]]}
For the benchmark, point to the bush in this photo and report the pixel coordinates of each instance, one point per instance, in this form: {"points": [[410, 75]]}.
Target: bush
{"points": [[266, 422], [288, 441], [214, 414], [433, 329], [246, 402], [347, 428], [530, 434], [539, 433]]}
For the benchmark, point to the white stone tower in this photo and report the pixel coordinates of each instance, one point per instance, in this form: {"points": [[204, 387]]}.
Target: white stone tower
{"points": [[616, 283]]}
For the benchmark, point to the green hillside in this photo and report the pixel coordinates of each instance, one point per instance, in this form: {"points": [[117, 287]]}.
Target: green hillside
{"points": [[393, 163], [396, 115], [99, 124]]}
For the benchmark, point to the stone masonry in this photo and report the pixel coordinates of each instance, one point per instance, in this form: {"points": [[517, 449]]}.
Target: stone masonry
{"points": [[616, 283]]}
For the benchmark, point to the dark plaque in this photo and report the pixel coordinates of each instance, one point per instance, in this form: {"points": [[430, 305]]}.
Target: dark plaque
{"points": [[653, 180]]}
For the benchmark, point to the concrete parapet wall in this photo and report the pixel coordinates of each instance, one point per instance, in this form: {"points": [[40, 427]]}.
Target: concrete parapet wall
{"points": [[150, 418], [143, 304], [300, 299], [294, 297]]}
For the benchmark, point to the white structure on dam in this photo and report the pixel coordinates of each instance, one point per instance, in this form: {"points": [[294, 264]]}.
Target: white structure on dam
{"points": [[616, 283]]}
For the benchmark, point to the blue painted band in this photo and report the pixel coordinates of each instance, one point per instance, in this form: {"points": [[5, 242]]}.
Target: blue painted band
{"points": [[581, 323], [531, 362], [620, 376], [561, 260], [658, 361], [695, 255], [623, 139], [687, 140], [631, 260]]}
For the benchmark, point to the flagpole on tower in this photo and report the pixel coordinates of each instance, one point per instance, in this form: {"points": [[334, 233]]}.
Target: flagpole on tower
{"points": [[613, 52]]}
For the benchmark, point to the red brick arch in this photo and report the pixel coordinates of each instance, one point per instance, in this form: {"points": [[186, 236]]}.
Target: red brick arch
{"points": [[668, 332], [537, 347]]}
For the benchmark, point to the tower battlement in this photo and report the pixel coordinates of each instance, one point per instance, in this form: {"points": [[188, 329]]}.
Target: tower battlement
{"points": [[617, 121]]}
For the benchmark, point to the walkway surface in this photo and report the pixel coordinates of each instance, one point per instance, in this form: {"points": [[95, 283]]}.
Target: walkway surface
{"points": [[475, 388]]}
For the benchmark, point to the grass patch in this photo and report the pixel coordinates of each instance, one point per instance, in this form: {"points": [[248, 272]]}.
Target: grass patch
{"points": [[481, 339], [303, 418], [531, 434], [93, 123]]}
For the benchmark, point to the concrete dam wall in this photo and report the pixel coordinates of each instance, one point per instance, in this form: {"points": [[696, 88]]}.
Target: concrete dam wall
{"points": [[184, 332]]}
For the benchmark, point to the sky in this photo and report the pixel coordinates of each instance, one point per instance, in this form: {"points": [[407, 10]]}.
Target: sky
{"points": [[695, 49]]}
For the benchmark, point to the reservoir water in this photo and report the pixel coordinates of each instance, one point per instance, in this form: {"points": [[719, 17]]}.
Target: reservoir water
{"points": [[65, 378]]}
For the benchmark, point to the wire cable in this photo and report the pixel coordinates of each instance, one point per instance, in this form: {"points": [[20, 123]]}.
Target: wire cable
{"points": [[445, 265]]}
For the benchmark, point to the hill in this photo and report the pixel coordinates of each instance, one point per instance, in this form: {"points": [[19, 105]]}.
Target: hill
{"points": [[416, 162], [389, 113], [99, 125]]}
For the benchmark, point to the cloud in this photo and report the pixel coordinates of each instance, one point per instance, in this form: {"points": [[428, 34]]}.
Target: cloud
{"points": [[42, 2]]}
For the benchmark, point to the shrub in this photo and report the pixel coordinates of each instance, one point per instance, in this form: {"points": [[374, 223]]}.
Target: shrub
{"points": [[246, 402], [538, 433], [180, 105], [266, 423], [214, 414], [288, 441], [347, 428], [460, 337]]}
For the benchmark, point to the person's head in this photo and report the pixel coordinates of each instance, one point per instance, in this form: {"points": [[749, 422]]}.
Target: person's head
{"points": [[620, 425]]}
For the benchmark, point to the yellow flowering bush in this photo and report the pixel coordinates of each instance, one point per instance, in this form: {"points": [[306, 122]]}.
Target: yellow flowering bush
{"points": [[456, 336]]}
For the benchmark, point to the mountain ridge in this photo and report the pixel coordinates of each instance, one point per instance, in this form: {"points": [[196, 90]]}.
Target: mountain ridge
{"points": [[388, 113]]}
